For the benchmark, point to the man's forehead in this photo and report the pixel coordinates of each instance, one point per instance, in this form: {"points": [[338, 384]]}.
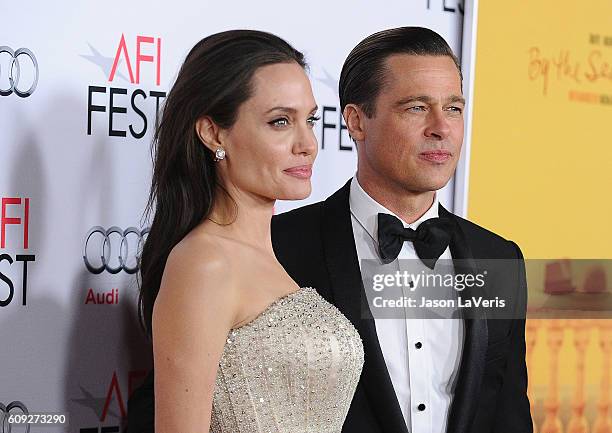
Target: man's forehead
{"points": [[405, 63], [421, 74]]}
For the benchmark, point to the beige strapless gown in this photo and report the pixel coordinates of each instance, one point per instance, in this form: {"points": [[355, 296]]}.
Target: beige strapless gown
{"points": [[293, 369]]}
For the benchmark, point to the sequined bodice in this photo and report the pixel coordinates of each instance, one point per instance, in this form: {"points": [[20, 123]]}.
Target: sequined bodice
{"points": [[293, 369]]}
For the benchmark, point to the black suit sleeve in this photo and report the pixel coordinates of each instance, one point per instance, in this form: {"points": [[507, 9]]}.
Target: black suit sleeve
{"points": [[141, 408], [513, 412]]}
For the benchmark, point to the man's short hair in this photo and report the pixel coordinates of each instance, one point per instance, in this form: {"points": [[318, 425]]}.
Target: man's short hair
{"points": [[363, 73]]}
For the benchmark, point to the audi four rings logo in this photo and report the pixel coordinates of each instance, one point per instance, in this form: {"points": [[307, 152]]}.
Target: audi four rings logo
{"points": [[105, 254], [5, 427], [13, 72]]}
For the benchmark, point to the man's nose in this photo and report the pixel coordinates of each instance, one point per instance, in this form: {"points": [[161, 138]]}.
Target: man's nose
{"points": [[438, 127]]}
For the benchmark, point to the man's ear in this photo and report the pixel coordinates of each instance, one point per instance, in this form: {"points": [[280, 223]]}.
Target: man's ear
{"points": [[209, 132], [354, 117]]}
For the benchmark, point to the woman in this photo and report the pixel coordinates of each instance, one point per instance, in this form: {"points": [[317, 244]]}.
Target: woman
{"points": [[237, 345]]}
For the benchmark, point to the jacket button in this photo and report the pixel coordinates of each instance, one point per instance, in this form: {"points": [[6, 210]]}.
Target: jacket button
{"points": [[421, 407]]}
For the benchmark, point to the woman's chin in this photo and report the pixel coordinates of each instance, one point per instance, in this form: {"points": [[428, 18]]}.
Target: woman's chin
{"points": [[296, 194]]}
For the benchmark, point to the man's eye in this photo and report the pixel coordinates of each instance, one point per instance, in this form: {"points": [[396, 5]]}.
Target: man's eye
{"points": [[279, 122], [456, 109], [417, 108]]}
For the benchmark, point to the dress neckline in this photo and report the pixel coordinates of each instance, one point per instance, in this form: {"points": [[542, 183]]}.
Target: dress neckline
{"points": [[270, 307]]}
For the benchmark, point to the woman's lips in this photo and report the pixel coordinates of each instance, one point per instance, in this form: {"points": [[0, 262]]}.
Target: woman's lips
{"points": [[438, 156], [301, 172]]}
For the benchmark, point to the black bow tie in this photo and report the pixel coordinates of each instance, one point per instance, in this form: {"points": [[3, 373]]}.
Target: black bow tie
{"points": [[430, 239]]}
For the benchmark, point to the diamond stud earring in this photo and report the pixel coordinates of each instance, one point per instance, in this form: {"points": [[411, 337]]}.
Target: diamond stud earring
{"points": [[219, 154]]}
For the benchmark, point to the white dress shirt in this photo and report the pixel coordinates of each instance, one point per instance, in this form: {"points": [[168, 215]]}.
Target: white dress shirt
{"points": [[425, 373]]}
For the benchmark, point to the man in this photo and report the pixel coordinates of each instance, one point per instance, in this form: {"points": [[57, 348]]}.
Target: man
{"points": [[401, 98], [400, 92]]}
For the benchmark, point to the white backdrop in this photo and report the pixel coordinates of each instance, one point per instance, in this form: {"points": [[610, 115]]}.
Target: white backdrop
{"points": [[69, 337]]}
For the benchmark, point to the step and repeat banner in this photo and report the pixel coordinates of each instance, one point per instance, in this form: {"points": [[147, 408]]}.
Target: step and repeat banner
{"points": [[81, 85], [541, 174]]}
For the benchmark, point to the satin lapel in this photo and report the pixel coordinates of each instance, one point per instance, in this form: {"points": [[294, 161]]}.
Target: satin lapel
{"points": [[467, 391], [349, 296]]}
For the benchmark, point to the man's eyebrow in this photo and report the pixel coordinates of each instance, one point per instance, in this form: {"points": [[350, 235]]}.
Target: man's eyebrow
{"points": [[428, 99], [456, 98], [409, 99]]}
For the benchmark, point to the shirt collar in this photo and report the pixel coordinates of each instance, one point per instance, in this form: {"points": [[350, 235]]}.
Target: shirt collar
{"points": [[365, 209]]}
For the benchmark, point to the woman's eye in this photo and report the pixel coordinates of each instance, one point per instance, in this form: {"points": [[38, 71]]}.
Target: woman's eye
{"points": [[279, 122], [312, 121]]}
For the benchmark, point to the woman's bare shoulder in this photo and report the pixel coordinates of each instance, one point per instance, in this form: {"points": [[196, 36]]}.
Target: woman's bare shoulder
{"points": [[205, 251], [200, 274]]}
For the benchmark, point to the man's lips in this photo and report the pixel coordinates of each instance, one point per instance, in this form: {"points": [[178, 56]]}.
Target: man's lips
{"points": [[437, 156], [301, 171]]}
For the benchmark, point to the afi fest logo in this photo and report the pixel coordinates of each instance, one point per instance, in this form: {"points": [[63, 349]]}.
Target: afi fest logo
{"points": [[113, 404], [447, 6], [126, 110], [15, 220], [18, 72]]}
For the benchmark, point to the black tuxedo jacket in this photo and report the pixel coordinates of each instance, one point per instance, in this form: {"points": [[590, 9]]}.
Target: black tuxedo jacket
{"points": [[315, 244]]}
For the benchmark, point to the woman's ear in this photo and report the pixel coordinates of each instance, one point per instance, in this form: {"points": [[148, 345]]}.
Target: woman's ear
{"points": [[354, 119], [209, 133]]}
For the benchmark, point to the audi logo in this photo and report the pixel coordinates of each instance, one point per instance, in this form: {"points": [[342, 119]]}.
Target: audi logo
{"points": [[13, 72], [5, 427], [113, 252]]}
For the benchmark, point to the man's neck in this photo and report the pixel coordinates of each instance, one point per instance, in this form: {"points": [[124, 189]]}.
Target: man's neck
{"points": [[408, 205]]}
